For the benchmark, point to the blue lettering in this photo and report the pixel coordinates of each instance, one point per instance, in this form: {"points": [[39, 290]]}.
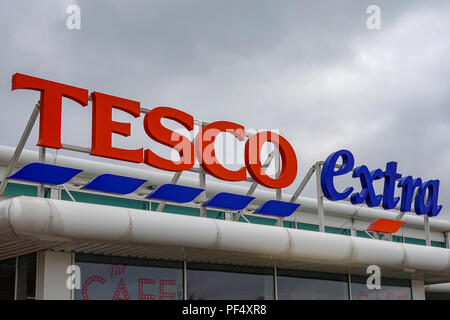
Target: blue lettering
{"points": [[430, 207], [409, 185], [390, 177], [367, 193], [425, 202], [329, 172]]}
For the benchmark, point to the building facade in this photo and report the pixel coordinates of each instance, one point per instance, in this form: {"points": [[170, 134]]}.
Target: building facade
{"points": [[73, 243]]}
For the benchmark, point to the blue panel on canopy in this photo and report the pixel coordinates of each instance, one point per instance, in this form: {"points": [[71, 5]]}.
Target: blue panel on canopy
{"points": [[45, 173], [277, 208], [175, 193], [114, 184], [228, 201]]}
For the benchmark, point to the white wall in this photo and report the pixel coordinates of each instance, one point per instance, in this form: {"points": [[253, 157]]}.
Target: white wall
{"points": [[52, 276], [418, 289]]}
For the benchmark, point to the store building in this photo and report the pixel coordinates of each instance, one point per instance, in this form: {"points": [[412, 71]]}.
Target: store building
{"points": [[126, 249], [73, 228]]}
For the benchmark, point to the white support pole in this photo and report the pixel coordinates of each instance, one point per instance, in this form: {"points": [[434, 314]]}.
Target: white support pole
{"points": [[185, 289], [55, 193], [303, 184], [174, 180], [319, 198], [353, 229], [279, 194], [275, 282], [349, 278], [387, 237], [51, 279], [41, 187], [252, 188], [447, 240], [16, 278], [418, 289], [202, 185], [277, 158], [72, 262], [202, 178], [20, 146], [426, 225], [68, 193]]}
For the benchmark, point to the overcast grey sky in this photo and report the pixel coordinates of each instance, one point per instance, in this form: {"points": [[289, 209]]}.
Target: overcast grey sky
{"points": [[311, 69]]}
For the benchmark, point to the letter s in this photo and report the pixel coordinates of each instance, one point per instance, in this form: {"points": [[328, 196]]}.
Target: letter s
{"points": [[156, 131]]}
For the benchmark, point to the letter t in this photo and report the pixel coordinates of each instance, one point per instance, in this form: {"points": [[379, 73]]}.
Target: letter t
{"points": [[50, 105]]}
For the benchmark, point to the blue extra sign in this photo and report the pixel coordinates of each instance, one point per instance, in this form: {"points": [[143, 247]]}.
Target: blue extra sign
{"points": [[425, 202]]}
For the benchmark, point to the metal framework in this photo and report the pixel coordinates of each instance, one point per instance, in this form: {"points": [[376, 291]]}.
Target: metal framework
{"points": [[316, 168]]}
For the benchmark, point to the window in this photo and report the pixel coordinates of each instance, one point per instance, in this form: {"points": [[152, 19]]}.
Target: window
{"points": [[307, 226], [337, 230], [421, 242], [364, 234], [297, 285], [15, 189], [438, 244], [105, 200], [7, 279], [391, 289], [216, 282], [26, 277], [258, 220], [110, 278]]}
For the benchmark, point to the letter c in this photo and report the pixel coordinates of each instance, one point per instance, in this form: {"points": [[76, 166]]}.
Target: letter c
{"points": [[204, 149], [88, 282]]}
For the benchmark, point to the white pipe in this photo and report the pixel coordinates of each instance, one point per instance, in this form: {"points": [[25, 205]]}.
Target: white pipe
{"points": [[341, 209], [438, 288], [49, 219]]}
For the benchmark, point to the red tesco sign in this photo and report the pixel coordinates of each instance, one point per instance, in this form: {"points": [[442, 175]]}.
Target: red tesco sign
{"points": [[202, 148]]}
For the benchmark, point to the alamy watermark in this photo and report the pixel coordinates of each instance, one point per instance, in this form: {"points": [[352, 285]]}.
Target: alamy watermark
{"points": [[374, 280], [73, 21], [74, 279], [227, 147], [373, 22]]}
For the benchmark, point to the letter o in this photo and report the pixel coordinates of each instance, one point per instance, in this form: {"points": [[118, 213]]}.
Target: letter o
{"points": [[255, 167]]}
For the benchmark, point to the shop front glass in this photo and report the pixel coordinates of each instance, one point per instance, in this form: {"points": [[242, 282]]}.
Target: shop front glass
{"points": [[119, 279], [7, 279], [391, 289], [295, 285], [205, 282]]}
